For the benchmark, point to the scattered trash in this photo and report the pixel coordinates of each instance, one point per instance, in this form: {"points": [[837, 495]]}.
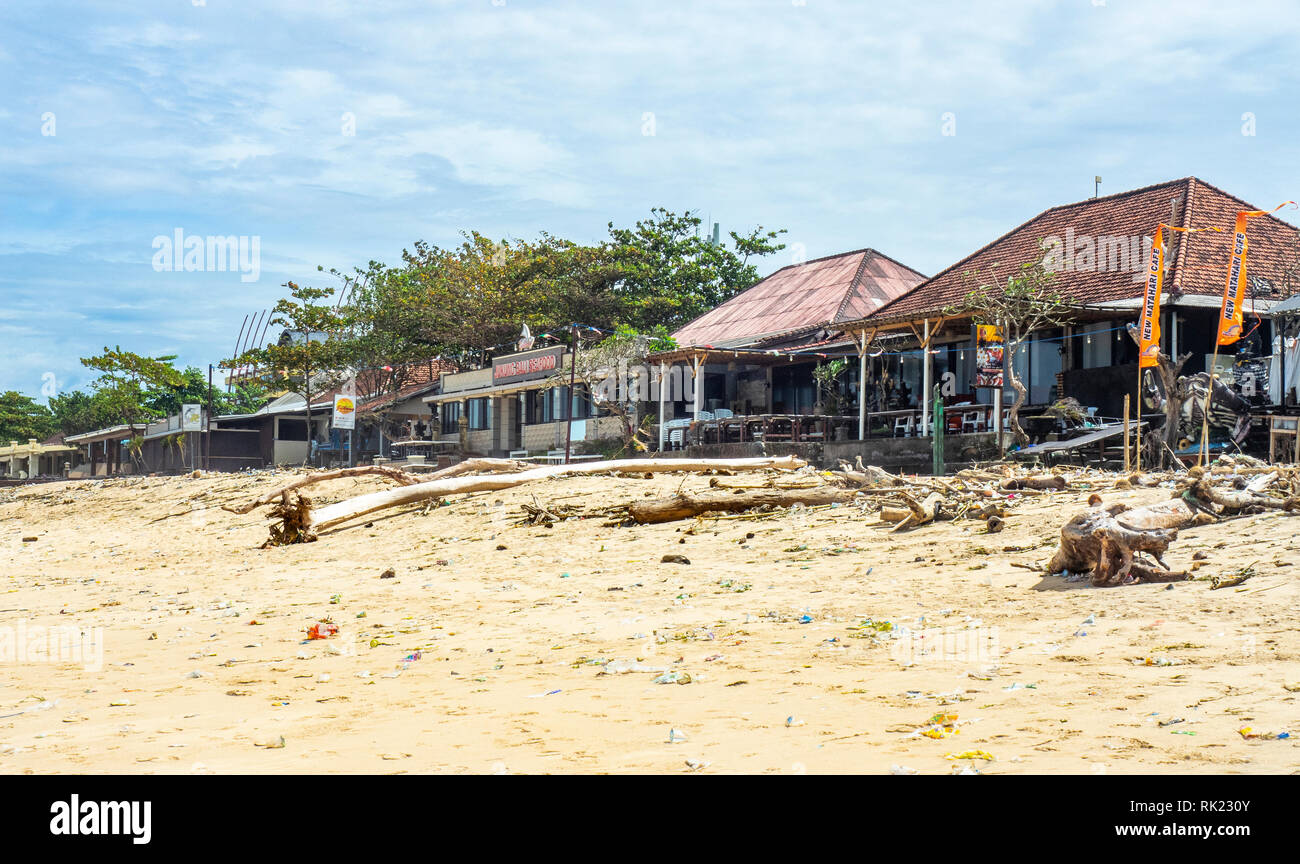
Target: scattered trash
{"points": [[971, 754], [322, 631], [673, 678], [1251, 735]]}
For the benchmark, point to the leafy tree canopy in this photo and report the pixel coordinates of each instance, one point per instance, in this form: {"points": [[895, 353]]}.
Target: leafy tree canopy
{"points": [[21, 419]]}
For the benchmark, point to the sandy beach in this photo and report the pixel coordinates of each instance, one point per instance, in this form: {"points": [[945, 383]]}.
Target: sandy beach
{"points": [[813, 641]]}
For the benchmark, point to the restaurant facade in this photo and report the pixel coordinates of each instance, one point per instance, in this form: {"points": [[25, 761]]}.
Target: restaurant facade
{"points": [[521, 403]]}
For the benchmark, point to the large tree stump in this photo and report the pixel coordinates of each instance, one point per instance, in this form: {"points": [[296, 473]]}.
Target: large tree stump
{"points": [[1104, 540]]}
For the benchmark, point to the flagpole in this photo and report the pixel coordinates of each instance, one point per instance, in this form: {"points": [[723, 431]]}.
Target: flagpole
{"points": [[1137, 426], [1204, 447]]}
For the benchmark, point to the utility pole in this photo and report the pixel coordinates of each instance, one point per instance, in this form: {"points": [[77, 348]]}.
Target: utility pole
{"points": [[207, 427], [573, 371]]}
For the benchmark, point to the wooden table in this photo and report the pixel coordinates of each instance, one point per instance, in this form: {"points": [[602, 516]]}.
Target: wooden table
{"points": [[1282, 428]]}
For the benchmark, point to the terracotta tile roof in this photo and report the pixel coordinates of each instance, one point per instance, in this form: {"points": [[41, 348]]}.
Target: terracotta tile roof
{"points": [[802, 297], [1198, 261], [417, 378]]}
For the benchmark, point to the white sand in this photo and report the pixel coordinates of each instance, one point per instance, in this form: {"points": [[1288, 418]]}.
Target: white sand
{"points": [[500, 629]]}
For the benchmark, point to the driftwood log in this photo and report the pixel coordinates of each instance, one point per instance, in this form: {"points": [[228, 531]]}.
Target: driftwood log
{"points": [[301, 522], [684, 506]]}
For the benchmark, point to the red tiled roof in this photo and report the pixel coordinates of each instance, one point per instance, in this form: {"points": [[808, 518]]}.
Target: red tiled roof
{"points": [[1198, 262], [802, 297], [416, 378]]}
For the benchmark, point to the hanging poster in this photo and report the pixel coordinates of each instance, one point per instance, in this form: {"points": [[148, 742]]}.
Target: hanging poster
{"points": [[988, 356]]}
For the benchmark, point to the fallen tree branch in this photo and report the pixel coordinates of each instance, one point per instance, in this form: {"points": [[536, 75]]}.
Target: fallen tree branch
{"points": [[395, 474], [301, 522], [402, 478], [684, 506]]}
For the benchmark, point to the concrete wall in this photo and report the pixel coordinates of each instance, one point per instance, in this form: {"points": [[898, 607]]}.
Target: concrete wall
{"points": [[910, 455]]}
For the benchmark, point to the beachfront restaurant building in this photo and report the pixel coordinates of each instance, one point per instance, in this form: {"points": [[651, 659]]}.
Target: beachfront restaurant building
{"points": [[32, 459], [1098, 250], [520, 404], [745, 372], [103, 452]]}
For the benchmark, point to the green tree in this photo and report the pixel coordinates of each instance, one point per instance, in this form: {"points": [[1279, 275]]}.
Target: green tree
{"points": [[670, 275], [827, 377], [245, 398], [129, 382], [311, 352], [466, 301], [1020, 304], [22, 418], [609, 371], [78, 412]]}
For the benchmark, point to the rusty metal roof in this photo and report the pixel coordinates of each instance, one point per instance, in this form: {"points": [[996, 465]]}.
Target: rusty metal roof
{"points": [[800, 297]]}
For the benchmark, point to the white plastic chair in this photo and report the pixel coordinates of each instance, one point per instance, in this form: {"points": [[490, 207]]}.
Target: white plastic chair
{"points": [[903, 425]]}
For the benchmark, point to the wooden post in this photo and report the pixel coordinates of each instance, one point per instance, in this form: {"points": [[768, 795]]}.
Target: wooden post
{"points": [[573, 372], [997, 418], [925, 377], [1126, 453], [1137, 415], [663, 384], [862, 387], [937, 440], [207, 427], [1204, 448], [698, 395]]}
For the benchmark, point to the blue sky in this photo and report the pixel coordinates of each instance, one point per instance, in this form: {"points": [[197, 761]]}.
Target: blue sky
{"points": [[227, 117]]}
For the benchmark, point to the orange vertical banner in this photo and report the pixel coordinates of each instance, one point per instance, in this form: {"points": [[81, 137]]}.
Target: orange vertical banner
{"points": [[1234, 290], [1149, 326]]}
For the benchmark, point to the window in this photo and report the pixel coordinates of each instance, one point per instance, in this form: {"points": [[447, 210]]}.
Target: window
{"points": [[535, 406], [1044, 363], [480, 413], [292, 430], [1097, 342], [450, 418], [553, 404]]}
